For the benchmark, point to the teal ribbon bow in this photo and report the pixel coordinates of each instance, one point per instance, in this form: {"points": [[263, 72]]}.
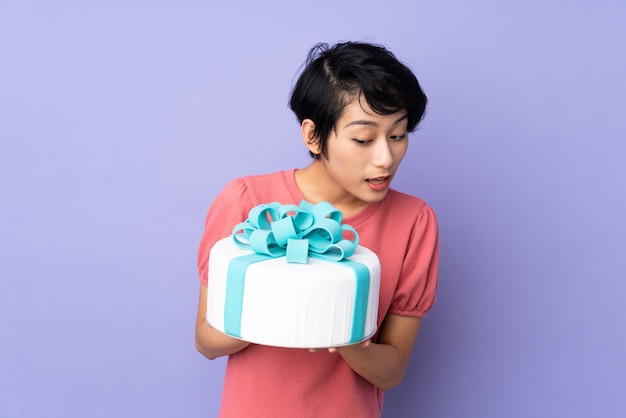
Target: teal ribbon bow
{"points": [[296, 232]]}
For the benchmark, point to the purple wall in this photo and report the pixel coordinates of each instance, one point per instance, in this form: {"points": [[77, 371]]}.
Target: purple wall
{"points": [[119, 123]]}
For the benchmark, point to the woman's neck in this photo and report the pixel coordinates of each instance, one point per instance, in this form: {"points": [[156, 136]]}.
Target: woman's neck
{"points": [[315, 186]]}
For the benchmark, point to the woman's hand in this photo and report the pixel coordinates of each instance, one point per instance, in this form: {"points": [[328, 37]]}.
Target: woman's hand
{"points": [[210, 342], [384, 362]]}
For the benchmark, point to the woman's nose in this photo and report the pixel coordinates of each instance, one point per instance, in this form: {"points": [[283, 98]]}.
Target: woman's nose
{"points": [[382, 154]]}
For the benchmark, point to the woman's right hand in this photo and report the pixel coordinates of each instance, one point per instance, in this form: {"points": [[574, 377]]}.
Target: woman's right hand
{"points": [[210, 342]]}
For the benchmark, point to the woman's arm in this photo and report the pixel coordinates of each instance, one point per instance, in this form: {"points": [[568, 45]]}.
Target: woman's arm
{"points": [[383, 363], [210, 342]]}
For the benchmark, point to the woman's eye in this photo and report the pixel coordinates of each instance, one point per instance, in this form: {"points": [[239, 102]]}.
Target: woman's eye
{"points": [[398, 137], [361, 141]]}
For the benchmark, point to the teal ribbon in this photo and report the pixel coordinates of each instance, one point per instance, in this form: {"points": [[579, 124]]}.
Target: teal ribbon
{"points": [[295, 232]]}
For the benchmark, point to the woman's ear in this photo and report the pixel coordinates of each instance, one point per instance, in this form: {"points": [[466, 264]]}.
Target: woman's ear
{"points": [[309, 137]]}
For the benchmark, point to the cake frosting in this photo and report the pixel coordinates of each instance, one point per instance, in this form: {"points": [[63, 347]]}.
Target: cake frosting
{"points": [[293, 276]]}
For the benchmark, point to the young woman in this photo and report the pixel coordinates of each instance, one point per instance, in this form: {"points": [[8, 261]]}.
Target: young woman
{"points": [[356, 104]]}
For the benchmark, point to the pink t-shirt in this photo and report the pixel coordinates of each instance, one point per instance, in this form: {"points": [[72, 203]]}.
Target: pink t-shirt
{"points": [[282, 382]]}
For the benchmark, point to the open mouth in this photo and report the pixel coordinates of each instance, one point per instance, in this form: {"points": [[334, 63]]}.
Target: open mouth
{"points": [[379, 183], [378, 180]]}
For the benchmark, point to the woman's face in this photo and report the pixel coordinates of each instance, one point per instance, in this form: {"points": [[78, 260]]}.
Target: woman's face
{"points": [[364, 152]]}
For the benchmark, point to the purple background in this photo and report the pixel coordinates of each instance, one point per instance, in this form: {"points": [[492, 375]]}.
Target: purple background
{"points": [[121, 121]]}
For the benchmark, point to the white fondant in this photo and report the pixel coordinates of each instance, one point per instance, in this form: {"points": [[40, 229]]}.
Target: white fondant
{"points": [[293, 305]]}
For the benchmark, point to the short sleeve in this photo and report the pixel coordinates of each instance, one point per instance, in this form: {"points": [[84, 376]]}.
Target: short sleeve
{"points": [[227, 210], [417, 287]]}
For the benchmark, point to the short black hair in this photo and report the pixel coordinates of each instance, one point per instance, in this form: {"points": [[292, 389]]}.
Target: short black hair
{"points": [[334, 76]]}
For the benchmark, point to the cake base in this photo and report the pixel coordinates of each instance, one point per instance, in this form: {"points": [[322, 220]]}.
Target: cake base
{"points": [[284, 304]]}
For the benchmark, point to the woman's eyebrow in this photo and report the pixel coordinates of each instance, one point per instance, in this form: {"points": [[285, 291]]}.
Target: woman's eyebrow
{"points": [[372, 123]]}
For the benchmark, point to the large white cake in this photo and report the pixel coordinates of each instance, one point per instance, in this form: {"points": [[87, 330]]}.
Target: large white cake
{"points": [[314, 304]]}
